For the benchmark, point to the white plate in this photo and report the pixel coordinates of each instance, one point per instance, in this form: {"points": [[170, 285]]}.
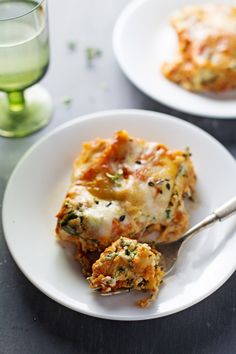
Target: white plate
{"points": [[143, 39], [38, 185]]}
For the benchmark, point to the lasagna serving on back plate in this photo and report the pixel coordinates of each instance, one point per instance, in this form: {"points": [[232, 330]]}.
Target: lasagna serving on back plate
{"points": [[125, 187], [206, 59]]}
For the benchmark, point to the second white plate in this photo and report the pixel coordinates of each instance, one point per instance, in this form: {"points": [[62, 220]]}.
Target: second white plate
{"points": [[143, 39]]}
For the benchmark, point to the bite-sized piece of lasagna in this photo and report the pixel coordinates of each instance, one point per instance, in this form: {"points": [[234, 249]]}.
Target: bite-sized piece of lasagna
{"points": [[125, 186], [128, 264], [206, 60]]}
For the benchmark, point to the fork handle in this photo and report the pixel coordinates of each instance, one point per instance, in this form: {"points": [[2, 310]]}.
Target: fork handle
{"points": [[219, 214], [226, 210]]}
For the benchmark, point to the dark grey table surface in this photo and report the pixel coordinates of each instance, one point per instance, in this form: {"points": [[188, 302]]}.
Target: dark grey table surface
{"points": [[29, 321]]}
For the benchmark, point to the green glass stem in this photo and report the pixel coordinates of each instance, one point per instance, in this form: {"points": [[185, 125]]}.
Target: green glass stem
{"points": [[16, 101]]}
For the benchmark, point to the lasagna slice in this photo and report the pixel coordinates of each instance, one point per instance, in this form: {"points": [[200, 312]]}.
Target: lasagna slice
{"points": [[128, 264], [206, 60], [128, 187]]}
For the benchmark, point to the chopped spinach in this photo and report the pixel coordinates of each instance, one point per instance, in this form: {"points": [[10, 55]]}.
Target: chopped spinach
{"points": [[127, 252]]}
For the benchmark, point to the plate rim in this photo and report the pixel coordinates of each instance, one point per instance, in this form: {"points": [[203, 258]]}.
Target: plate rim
{"points": [[125, 14], [47, 290]]}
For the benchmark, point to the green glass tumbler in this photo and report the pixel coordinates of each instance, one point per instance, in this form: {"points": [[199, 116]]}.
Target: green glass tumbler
{"points": [[24, 60]]}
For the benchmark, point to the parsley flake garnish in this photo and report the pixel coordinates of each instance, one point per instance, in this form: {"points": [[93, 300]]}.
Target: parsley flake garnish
{"points": [[187, 152], [127, 252], [67, 100], [72, 45], [116, 177], [168, 213], [92, 53]]}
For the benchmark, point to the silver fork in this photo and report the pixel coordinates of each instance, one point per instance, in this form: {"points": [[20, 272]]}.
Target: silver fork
{"points": [[170, 251]]}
